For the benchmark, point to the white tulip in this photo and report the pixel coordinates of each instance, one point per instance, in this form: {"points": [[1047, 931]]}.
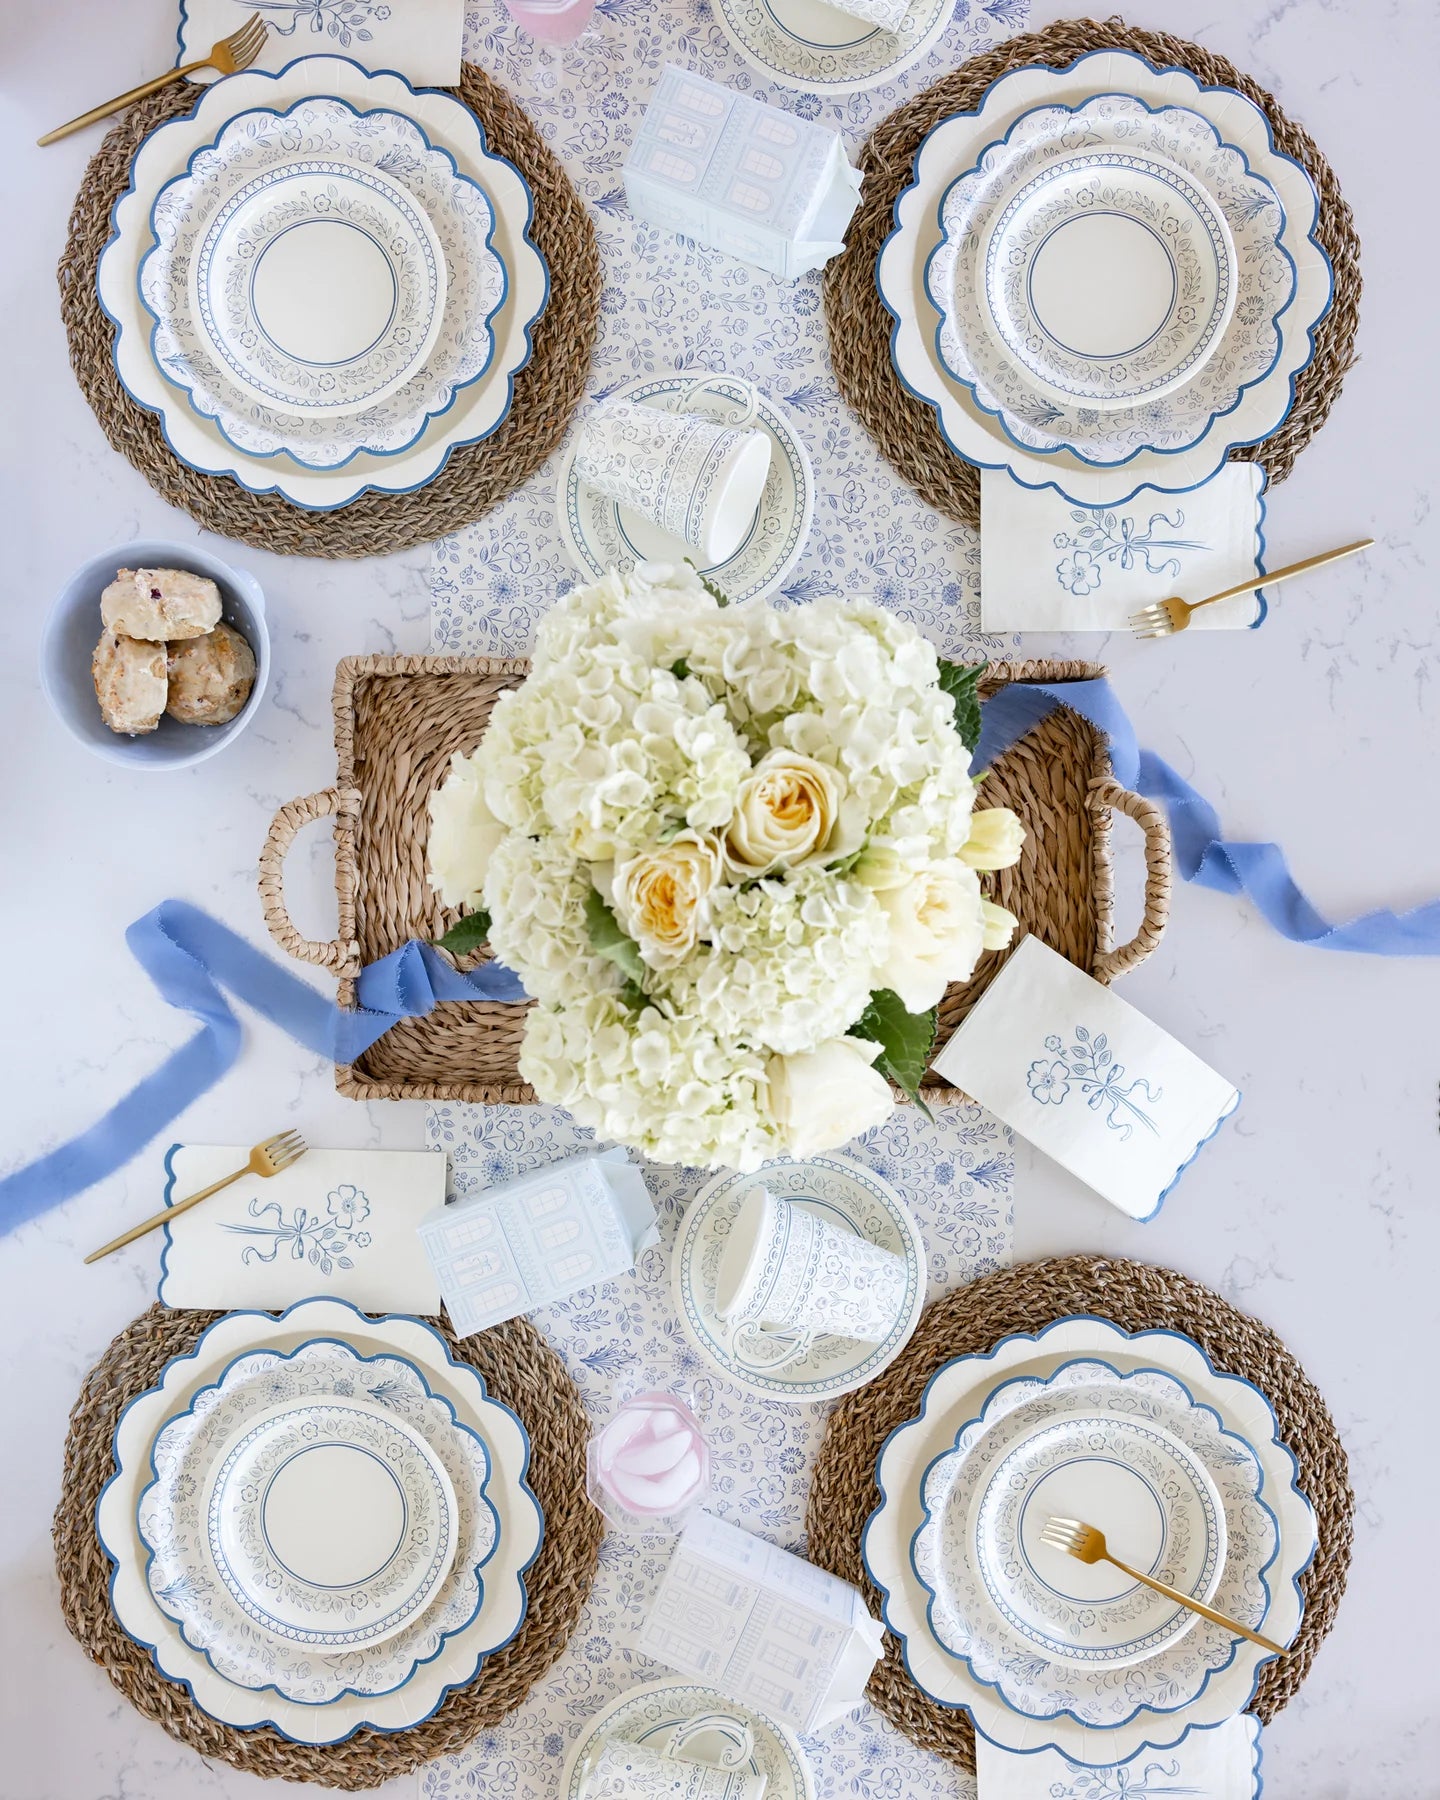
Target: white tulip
{"points": [[937, 932], [463, 835], [996, 836], [828, 1095]]}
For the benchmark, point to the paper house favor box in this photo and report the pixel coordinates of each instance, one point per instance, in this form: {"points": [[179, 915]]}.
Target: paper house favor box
{"points": [[741, 176]]}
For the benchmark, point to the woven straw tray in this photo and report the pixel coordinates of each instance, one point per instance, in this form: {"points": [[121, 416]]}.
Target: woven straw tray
{"points": [[399, 718]]}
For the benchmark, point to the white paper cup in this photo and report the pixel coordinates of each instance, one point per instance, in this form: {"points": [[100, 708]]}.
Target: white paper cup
{"points": [[787, 1277], [696, 479], [621, 1771]]}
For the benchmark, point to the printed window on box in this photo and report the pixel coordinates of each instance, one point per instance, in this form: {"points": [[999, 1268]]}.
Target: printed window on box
{"points": [[776, 131], [701, 101], [560, 1231], [672, 166], [761, 163], [752, 198]]}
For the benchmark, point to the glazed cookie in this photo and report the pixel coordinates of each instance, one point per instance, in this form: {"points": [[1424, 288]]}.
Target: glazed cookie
{"points": [[210, 677], [160, 604], [130, 682]]}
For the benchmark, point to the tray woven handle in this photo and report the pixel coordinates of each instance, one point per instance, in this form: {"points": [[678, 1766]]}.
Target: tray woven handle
{"points": [[1112, 959], [342, 954]]}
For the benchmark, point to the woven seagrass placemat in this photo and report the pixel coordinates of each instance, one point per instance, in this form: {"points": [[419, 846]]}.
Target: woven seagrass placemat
{"points": [[905, 429], [475, 478], [1136, 1297], [521, 1370]]}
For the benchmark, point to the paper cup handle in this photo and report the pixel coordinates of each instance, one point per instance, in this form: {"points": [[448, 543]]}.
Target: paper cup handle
{"points": [[799, 1346], [725, 1723], [712, 384]]}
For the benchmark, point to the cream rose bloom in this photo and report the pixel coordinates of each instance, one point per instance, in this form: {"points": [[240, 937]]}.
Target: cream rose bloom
{"points": [[463, 835], [827, 1095], [791, 810], [937, 932], [662, 896], [996, 836]]}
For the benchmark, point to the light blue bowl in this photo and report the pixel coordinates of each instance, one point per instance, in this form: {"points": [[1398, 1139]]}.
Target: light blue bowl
{"points": [[73, 629]]}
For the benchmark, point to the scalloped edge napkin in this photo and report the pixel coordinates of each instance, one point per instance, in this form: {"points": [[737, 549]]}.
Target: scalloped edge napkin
{"points": [[1048, 563], [419, 39], [338, 1222], [1087, 1079], [1210, 1762]]}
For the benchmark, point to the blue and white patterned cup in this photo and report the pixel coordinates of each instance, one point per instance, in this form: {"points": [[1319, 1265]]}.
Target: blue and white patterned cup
{"points": [[697, 480], [788, 1276], [621, 1771]]}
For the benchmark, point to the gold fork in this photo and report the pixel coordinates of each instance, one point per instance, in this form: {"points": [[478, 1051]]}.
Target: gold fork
{"points": [[266, 1159], [1165, 617], [229, 56], [1087, 1545]]}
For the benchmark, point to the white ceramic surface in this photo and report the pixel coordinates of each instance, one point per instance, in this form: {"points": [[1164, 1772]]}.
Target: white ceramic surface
{"points": [[72, 630], [478, 407]]}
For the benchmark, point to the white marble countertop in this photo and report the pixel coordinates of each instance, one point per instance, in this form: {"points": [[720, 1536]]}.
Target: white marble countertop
{"points": [[1316, 1210]]}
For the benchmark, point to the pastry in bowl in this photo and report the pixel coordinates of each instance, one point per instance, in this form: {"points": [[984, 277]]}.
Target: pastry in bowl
{"points": [[160, 604], [131, 682], [210, 677]]}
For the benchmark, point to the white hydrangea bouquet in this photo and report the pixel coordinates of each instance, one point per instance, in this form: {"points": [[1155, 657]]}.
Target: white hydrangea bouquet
{"points": [[732, 853]]}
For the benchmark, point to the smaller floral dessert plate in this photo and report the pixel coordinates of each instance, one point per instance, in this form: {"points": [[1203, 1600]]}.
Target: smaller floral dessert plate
{"points": [[319, 287], [1108, 277], [824, 50], [331, 1523], [843, 1194], [1159, 1511], [602, 534], [651, 1716]]}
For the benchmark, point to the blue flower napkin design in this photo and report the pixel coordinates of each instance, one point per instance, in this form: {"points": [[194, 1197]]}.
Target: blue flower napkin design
{"points": [[420, 39], [341, 1222], [1215, 1762], [1051, 563], [1088, 1079]]}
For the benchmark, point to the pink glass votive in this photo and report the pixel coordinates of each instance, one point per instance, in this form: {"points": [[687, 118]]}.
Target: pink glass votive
{"points": [[649, 1467], [551, 21]]}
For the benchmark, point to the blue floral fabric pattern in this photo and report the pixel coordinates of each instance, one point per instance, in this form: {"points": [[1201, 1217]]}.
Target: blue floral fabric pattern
{"points": [[619, 1339], [1088, 1068], [670, 304]]}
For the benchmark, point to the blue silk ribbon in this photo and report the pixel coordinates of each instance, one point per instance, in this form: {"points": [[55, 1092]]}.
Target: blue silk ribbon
{"points": [[190, 957], [1202, 853]]}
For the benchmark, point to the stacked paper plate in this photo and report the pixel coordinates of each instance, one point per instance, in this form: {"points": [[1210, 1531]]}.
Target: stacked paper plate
{"points": [[1105, 277], [322, 281], [1177, 1464], [319, 1522]]}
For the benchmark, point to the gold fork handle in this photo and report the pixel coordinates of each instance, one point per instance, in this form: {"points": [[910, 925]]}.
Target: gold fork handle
{"points": [[1262, 581], [1205, 1612], [165, 1213], [122, 100]]}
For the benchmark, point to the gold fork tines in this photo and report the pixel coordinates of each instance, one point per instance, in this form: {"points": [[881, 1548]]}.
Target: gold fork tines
{"points": [[1086, 1544], [267, 1159], [1163, 618], [230, 56]]}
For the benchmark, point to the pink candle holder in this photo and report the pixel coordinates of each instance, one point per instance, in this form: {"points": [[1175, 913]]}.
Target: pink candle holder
{"points": [[648, 1468], [551, 21]]}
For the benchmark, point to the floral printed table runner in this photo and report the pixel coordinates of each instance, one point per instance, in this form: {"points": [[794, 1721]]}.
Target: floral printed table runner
{"points": [[669, 305], [956, 1176]]}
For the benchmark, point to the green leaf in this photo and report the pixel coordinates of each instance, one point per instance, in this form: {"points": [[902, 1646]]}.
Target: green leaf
{"points": [[720, 598], [466, 934], [905, 1039], [680, 669], [960, 681], [634, 996], [609, 941]]}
